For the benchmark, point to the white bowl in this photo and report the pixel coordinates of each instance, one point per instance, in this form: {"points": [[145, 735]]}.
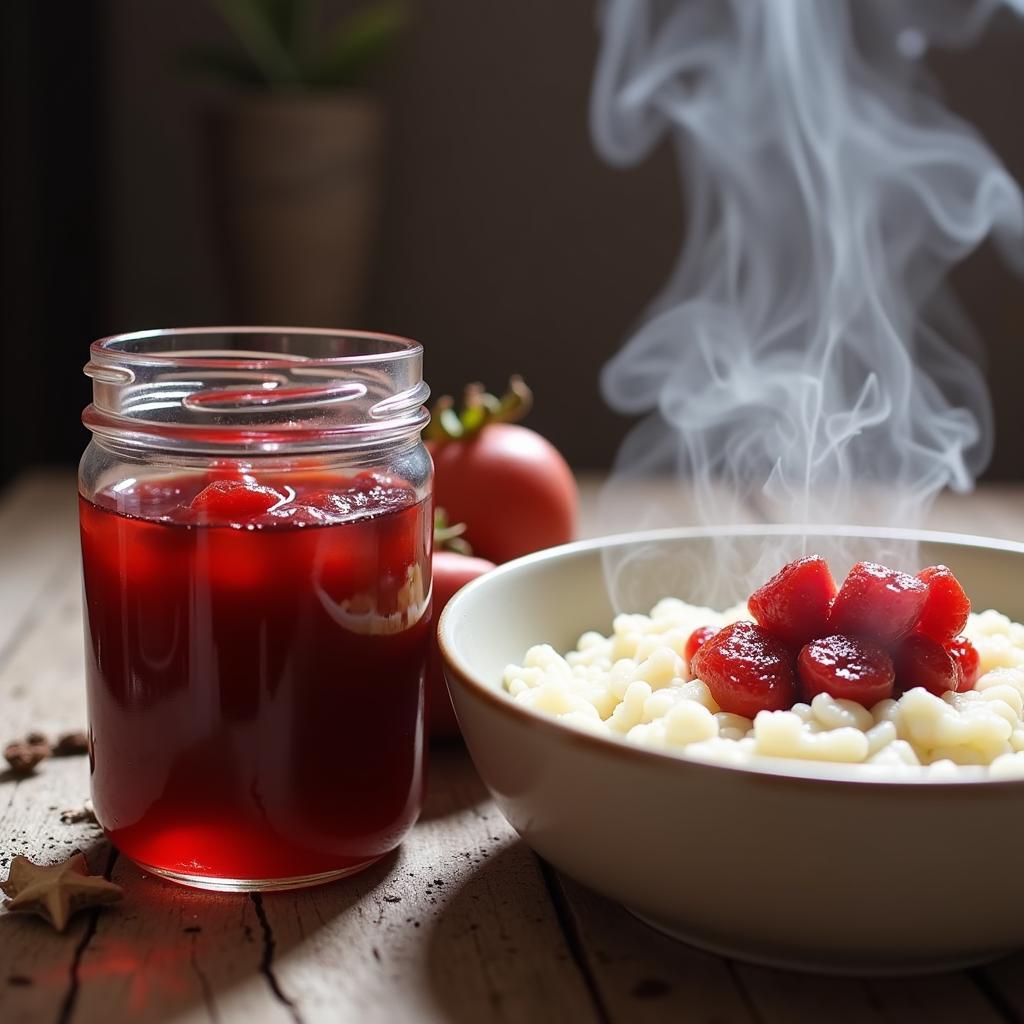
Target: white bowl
{"points": [[783, 863]]}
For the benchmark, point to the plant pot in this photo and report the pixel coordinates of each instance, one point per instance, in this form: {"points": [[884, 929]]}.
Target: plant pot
{"points": [[294, 190]]}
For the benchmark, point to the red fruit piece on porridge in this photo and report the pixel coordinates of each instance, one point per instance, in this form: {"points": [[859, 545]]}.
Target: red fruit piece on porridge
{"points": [[794, 604], [845, 668], [965, 654], [746, 669], [696, 640], [234, 501], [877, 603], [947, 607], [922, 661]]}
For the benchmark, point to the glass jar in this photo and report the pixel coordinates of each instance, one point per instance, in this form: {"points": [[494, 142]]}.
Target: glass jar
{"points": [[256, 540]]}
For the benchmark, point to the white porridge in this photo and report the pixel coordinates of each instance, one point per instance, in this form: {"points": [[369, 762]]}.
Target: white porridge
{"points": [[636, 684]]}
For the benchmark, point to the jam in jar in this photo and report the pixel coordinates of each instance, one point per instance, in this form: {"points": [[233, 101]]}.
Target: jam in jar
{"points": [[256, 531]]}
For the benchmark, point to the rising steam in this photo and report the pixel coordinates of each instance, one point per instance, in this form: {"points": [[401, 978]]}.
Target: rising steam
{"points": [[803, 363]]}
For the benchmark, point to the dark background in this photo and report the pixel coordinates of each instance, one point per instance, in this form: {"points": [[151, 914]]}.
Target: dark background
{"points": [[505, 243]]}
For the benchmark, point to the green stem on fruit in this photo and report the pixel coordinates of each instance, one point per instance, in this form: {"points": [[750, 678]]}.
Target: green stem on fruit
{"points": [[479, 408], [449, 537], [445, 424]]}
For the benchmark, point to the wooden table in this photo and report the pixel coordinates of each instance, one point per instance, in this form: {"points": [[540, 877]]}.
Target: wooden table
{"points": [[464, 923]]}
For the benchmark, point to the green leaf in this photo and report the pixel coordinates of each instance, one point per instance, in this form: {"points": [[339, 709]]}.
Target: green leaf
{"points": [[256, 24], [359, 44]]}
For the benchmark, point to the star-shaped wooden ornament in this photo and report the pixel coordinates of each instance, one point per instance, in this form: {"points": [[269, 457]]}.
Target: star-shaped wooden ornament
{"points": [[57, 891]]}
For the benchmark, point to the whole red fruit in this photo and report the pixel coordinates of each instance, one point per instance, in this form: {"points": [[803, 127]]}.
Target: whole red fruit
{"points": [[746, 669], [510, 486], [451, 573]]}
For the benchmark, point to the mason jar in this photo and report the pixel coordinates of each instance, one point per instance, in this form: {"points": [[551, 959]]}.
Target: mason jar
{"points": [[256, 539]]}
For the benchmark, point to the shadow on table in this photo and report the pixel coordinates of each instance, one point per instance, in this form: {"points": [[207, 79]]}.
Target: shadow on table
{"points": [[497, 952], [640, 971], [452, 782]]}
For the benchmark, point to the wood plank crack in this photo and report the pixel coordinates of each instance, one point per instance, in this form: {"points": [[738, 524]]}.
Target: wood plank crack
{"points": [[209, 1001], [573, 939], [67, 1007], [267, 959]]}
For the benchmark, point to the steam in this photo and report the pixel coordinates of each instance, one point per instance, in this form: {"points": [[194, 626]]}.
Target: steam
{"points": [[803, 363]]}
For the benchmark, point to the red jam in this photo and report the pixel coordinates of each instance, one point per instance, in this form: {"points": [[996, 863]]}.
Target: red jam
{"points": [[254, 658]]}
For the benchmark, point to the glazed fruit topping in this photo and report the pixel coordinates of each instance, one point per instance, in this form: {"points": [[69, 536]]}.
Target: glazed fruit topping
{"points": [[882, 633], [747, 670], [947, 606], [922, 661], [965, 654], [696, 641], [878, 602], [794, 604], [845, 668]]}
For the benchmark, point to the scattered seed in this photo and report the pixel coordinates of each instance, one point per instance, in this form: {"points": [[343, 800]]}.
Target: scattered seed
{"points": [[71, 744]]}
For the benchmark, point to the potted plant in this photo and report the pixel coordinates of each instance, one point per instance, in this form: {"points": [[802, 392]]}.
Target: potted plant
{"points": [[292, 144]]}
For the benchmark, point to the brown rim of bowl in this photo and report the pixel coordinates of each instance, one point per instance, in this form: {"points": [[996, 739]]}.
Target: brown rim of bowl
{"points": [[796, 772]]}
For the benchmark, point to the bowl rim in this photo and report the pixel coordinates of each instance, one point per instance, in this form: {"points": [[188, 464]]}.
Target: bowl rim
{"points": [[783, 769]]}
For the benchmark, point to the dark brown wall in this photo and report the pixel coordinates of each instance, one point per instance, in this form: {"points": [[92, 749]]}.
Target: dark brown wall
{"points": [[506, 245]]}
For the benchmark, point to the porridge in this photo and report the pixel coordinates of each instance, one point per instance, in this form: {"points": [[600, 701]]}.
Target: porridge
{"points": [[889, 670]]}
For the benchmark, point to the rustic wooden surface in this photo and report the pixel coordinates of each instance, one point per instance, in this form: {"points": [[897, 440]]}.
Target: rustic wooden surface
{"points": [[463, 924]]}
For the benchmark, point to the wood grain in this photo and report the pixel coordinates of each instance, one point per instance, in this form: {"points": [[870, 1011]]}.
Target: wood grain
{"points": [[642, 976], [458, 926], [462, 924]]}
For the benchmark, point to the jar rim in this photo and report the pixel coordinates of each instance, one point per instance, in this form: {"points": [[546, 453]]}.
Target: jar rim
{"points": [[117, 347], [300, 388]]}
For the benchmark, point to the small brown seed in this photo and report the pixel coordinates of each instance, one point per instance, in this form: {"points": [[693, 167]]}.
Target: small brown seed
{"points": [[70, 744], [23, 757]]}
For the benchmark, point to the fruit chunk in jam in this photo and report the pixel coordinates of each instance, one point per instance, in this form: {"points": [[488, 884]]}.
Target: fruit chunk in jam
{"points": [[255, 671], [234, 501]]}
